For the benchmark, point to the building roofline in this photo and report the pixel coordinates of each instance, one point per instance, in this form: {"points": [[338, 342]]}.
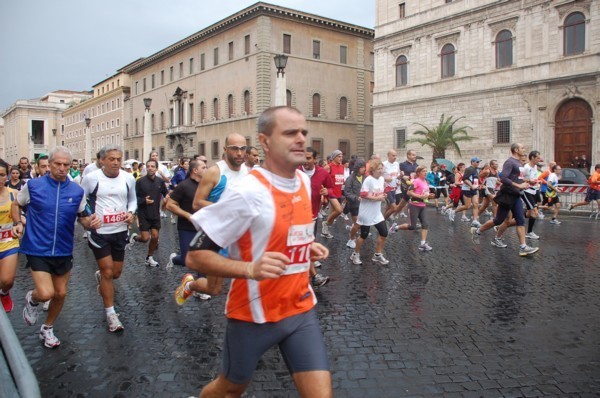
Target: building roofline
{"points": [[244, 15]]}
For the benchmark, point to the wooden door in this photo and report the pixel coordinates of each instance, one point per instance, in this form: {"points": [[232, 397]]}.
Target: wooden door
{"points": [[573, 132]]}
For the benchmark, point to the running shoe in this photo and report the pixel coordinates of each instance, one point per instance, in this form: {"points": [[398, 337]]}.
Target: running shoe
{"points": [[527, 250], [465, 219], [403, 214], [132, 241], [355, 257], [170, 262], [46, 305], [114, 324], [393, 229], [319, 280], [317, 264], [48, 337], [7, 302], [31, 311], [474, 233], [571, 207], [351, 243], [555, 221], [451, 213], [173, 220], [532, 235], [425, 247], [488, 213], [378, 258], [325, 232], [476, 223], [202, 296], [181, 294], [496, 228], [498, 242], [151, 262], [443, 210]]}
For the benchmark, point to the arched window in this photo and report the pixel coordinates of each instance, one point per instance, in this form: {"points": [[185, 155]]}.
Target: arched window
{"points": [[504, 49], [230, 106], [288, 97], [401, 71], [247, 102], [216, 109], [316, 105], [574, 34], [343, 108], [448, 52], [202, 112]]}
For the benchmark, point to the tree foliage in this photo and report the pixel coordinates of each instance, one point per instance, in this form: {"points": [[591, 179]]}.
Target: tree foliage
{"points": [[442, 137]]}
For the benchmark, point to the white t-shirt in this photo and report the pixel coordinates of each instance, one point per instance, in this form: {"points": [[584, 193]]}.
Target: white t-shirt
{"points": [[530, 174], [111, 199], [553, 179], [90, 168], [369, 211], [391, 170]]}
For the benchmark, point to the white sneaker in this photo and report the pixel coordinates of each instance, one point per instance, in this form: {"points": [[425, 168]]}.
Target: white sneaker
{"points": [[498, 242], [132, 241], [532, 235], [378, 258], [30, 311], [465, 219], [451, 213], [351, 244], [150, 261], [355, 257], [325, 231], [555, 222], [201, 296], [317, 264], [403, 214], [488, 213], [425, 247], [476, 224], [170, 262], [393, 229], [48, 337], [46, 305], [114, 324]]}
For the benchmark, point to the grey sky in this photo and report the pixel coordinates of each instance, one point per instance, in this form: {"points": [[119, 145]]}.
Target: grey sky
{"points": [[73, 44]]}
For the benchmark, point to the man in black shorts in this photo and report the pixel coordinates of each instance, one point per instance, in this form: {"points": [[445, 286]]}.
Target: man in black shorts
{"points": [[150, 190], [53, 203]]}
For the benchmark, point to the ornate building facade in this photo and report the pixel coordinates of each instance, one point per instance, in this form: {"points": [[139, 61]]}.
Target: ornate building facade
{"points": [[518, 71], [219, 80]]}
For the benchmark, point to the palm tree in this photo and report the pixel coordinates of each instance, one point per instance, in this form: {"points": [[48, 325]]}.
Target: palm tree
{"points": [[443, 136]]}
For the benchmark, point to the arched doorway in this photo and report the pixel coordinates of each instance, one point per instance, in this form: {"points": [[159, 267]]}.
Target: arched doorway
{"points": [[572, 131], [179, 152]]}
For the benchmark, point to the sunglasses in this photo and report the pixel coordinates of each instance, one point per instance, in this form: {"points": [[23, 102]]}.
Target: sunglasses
{"points": [[236, 148]]}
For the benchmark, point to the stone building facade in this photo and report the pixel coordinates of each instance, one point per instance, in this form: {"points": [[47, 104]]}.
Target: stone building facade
{"points": [[518, 71], [31, 126], [106, 113], [219, 80]]}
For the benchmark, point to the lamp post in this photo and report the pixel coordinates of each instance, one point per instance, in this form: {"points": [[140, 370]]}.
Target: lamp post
{"points": [[280, 82], [88, 141], [147, 130]]}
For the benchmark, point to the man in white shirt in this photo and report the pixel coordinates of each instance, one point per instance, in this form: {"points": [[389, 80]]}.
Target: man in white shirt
{"points": [[391, 172]]}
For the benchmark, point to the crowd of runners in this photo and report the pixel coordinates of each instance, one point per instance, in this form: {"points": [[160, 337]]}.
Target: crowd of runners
{"points": [[255, 222]]}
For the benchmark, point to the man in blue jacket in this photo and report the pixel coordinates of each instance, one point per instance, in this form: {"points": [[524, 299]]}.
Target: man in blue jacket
{"points": [[53, 203]]}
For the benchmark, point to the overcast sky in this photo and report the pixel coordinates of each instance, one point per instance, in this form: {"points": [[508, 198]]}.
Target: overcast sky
{"points": [[74, 44]]}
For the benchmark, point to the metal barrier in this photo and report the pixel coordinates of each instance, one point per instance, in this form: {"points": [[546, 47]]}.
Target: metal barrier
{"points": [[16, 376], [570, 194]]}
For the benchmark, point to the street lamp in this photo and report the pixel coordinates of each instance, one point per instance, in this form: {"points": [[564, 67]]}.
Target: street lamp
{"points": [[88, 140], [280, 80], [147, 130]]}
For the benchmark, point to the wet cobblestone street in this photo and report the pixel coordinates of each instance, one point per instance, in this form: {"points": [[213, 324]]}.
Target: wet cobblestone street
{"points": [[465, 320]]}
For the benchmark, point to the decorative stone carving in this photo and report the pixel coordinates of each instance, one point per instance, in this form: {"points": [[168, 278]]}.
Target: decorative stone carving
{"points": [[570, 6], [505, 24], [402, 49], [571, 91], [451, 37]]}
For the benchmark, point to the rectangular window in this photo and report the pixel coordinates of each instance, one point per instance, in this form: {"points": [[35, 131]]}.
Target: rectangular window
{"points": [[180, 71], [344, 146], [215, 149], [317, 145], [230, 50], [343, 55], [316, 49], [137, 91], [161, 152], [400, 138], [402, 9], [202, 149], [246, 44], [191, 66], [171, 74], [216, 56], [202, 64], [287, 44], [162, 77], [503, 131], [153, 81]]}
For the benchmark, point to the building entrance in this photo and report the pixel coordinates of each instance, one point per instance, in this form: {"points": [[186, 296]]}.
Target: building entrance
{"points": [[572, 132]]}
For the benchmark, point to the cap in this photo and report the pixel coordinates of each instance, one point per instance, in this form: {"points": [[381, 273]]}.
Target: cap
{"points": [[127, 166], [475, 159], [335, 153]]}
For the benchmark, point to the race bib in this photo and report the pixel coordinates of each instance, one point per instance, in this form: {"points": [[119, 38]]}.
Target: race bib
{"points": [[6, 233], [299, 239], [114, 217], [339, 179]]}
